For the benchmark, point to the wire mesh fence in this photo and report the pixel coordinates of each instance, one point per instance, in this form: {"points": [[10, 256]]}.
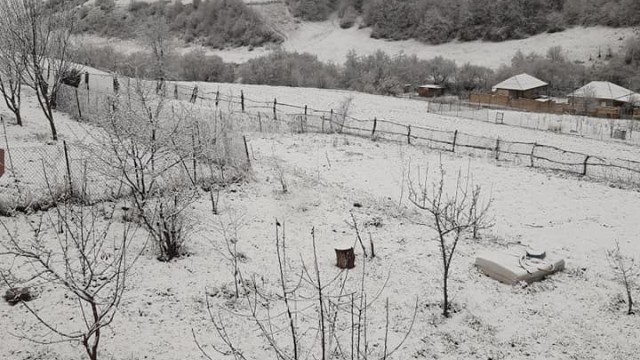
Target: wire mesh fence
{"points": [[585, 126], [46, 167]]}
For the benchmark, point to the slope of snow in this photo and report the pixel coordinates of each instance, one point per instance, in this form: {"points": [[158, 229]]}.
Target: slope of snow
{"points": [[331, 43]]}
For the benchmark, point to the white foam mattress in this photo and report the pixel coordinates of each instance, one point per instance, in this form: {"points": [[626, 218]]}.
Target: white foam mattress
{"points": [[512, 267]]}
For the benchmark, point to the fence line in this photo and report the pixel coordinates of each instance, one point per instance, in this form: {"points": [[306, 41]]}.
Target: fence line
{"points": [[84, 103], [579, 125], [307, 118]]}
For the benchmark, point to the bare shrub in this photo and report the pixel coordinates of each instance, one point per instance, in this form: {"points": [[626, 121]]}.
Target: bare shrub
{"points": [[169, 225], [229, 231], [455, 213], [281, 176], [309, 315], [626, 272], [343, 113]]}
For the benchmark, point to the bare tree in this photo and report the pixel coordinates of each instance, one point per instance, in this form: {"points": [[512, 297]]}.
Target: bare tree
{"points": [[76, 249], [41, 35], [454, 214], [12, 69], [156, 35], [626, 272]]}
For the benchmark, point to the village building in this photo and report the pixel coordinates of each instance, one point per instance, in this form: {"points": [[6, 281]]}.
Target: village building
{"points": [[523, 86], [604, 99], [430, 90], [602, 94]]}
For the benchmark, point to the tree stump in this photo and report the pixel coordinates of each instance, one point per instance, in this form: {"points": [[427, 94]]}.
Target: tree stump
{"points": [[345, 258]]}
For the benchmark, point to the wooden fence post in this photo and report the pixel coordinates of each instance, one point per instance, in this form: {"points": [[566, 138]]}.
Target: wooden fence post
{"points": [[301, 124], [195, 161], [322, 117], [533, 149], [78, 103], [498, 149], [331, 121], [584, 170], [242, 100], [306, 120], [175, 91], [409, 134], [375, 124], [246, 150], [455, 138], [217, 97], [1, 162], [68, 162], [116, 85], [86, 79], [194, 95], [275, 113]]}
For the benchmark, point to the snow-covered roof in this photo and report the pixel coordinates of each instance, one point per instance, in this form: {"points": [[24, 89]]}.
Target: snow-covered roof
{"points": [[633, 98], [604, 90], [431, 86], [520, 82]]}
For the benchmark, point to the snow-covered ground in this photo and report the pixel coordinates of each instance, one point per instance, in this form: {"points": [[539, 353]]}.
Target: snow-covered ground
{"points": [[412, 112], [332, 44], [574, 314]]}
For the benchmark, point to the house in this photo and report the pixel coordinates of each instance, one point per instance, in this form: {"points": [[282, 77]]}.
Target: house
{"points": [[521, 86], [603, 98], [602, 94], [430, 90]]}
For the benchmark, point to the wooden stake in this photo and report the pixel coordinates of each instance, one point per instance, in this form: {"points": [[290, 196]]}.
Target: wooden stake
{"points": [[455, 138], [375, 124], [584, 170], [66, 158], [78, 103], [533, 149], [246, 150], [275, 114]]}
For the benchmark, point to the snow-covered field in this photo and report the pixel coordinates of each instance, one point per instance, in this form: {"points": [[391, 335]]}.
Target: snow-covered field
{"points": [[576, 314], [331, 43], [412, 112]]}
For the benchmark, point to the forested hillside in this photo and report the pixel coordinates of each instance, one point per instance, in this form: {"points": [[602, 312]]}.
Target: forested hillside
{"points": [[438, 21], [224, 23], [214, 23]]}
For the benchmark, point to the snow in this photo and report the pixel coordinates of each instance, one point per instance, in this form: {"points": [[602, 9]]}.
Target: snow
{"points": [[573, 314], [330, 43], [520, 82], [603, 90]]}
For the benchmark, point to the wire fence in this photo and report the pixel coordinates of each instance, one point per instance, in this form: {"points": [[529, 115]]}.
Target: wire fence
{"points": [[578, 125], [246, 115]]}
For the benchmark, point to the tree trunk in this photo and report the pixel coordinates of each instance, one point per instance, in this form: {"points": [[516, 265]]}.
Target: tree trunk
{"points": [[630, 308], [52, 125], [445, 303]]}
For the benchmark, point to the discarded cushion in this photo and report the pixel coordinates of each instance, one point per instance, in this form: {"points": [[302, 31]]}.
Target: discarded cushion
{"points": [[514, 266]]}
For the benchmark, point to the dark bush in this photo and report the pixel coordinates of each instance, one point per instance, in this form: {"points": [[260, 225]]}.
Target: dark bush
{"points": [[72, 77]]}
